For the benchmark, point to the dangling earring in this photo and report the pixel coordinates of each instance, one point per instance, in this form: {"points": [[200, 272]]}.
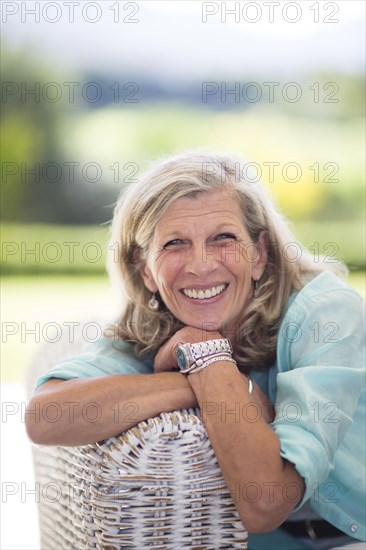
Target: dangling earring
{"points": [[153, 303], [256, 287]]}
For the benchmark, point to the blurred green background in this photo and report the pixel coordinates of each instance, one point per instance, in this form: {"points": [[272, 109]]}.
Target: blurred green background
{"points": [[55, 219]]}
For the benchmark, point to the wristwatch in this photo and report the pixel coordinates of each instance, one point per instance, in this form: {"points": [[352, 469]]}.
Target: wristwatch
{"points": [[189, 354]]}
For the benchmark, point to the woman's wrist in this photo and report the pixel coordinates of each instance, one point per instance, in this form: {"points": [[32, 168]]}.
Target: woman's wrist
{"points": [[215, 371], [183, 394]]}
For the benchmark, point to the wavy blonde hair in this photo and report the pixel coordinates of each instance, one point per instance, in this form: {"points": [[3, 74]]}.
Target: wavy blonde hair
{"points": [[137, 212]]}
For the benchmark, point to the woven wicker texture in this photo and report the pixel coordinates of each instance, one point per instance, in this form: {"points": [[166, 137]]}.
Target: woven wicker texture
{"points": [[158, 485]]}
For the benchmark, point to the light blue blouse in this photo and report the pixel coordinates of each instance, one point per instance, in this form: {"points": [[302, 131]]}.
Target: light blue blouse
{"points": [[317, 385]]}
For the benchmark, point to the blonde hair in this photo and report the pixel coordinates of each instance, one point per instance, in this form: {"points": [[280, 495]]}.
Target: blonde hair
{"points": [[136, 214]]}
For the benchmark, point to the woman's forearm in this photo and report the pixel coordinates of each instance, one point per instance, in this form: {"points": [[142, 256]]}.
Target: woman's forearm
{"points": [[86, 410], [265, 488]]}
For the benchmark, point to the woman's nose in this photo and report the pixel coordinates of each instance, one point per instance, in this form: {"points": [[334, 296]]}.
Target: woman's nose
{"points": [[201, 259]]}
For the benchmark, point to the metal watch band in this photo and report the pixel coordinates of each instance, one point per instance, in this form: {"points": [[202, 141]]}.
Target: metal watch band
{"points": [[199, 362], [210, 347], [214, 359]]}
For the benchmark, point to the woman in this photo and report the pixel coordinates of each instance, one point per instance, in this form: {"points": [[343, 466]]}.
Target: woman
{"points": [[204, 258]]}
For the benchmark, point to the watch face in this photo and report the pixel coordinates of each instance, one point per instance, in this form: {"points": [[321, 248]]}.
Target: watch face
{"points": [[181, 358]]}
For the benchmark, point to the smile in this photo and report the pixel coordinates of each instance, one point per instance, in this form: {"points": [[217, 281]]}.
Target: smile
{"points": [[201, 294]]}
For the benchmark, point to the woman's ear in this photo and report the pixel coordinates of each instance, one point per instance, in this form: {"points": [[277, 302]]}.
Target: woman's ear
{"points": [[148, 278], [260, 261]]}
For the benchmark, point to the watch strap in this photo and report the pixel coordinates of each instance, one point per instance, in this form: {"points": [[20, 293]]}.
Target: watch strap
{"points": [[210, 347]]}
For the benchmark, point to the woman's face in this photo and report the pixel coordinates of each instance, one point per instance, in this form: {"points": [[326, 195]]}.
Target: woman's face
{"points": [[202, 261]]}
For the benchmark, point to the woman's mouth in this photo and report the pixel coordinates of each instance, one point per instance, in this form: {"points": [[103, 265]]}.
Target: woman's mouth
{"points": [[204, 293]]}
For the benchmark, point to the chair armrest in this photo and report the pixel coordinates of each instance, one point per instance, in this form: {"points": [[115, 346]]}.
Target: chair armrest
{"points": [[158, 484]]}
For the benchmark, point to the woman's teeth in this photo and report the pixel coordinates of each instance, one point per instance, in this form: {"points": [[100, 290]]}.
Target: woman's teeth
{"points": [[201, 294]]}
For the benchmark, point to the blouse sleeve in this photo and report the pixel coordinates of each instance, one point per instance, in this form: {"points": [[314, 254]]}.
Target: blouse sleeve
{"points": [[101, 358], [321, 358]]}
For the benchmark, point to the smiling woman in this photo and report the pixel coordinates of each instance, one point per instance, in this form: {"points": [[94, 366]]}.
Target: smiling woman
{"points": [[194, 265], [223, 306], [182, 210]]}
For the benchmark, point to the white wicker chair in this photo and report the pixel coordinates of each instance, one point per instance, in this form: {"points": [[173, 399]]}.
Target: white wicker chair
{"points": [[158, 485]]}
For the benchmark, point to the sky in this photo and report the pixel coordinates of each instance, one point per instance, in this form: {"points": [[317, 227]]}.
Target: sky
{"points": [[190, 40]]}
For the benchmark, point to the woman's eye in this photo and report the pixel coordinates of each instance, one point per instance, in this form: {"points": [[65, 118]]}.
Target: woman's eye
{"points": [[173, 242], [225, 236]]}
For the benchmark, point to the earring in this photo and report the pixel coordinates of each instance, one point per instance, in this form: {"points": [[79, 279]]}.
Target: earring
{"points": [[153, 303], [256, 287]]}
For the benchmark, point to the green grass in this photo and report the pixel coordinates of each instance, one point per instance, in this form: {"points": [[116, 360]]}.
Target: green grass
{"points": [[343, 240], [358, 281], [53, 249], [31, 305]]}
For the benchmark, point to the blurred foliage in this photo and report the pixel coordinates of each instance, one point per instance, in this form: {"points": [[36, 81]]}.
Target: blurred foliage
{"points": [[322, 134]]}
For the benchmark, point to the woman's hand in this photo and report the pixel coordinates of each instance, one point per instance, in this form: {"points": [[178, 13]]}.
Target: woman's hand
{"points": [[166, 360]]}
